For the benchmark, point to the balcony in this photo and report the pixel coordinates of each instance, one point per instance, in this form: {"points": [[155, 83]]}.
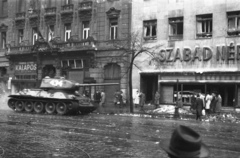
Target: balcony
{"points": [[20, 16], [85, 6], [50, 11], [67, 9], [34, 14]]}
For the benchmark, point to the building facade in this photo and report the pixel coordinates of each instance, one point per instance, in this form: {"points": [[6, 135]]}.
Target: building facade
{"points": [[70, 38], [199, 48]]}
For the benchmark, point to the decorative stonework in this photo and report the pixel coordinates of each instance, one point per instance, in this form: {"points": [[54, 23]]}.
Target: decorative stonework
{"points": [[34, 18], [20, 20], [113, 13], [3, 27], [67, 13], [85, 10], [50, 16]]}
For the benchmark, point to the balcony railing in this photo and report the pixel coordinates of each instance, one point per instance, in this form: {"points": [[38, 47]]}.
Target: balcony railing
{"points": [[67, 8], [20, 16], [50, 11], [85, 5]]}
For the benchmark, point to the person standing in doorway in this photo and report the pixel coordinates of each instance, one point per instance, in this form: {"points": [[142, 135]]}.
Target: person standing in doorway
{"points": [[156, 99], [136, 99], [213, 103], [199, 107]]}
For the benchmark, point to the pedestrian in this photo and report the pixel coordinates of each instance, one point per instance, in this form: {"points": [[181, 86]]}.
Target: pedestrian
{"points": [[199, 107], [118, 101], [103, 98], [218, 104], [185, 143], [213, 103], [136, 99], [157, 99], [208, 103], [142, 101], [97, 96], [193, 103]]}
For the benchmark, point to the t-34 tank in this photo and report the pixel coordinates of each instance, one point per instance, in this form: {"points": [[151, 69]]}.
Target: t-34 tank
{"points": [[55, 95]]}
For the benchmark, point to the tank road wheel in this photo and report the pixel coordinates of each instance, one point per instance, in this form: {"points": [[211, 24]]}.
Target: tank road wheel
{"points": [[19, 106], [50, 108], [61, 108], [11, 103], [38, 107], [29, 106]]}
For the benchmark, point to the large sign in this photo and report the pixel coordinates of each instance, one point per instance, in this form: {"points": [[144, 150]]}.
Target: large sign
{"points": [[205, 53], [25, 67]]}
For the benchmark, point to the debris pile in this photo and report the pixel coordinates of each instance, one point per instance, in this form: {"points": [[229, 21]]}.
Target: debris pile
{"points": [[169, 109]]}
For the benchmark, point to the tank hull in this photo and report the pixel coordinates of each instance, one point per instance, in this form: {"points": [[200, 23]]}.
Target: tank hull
{"points": [[37, 104]]}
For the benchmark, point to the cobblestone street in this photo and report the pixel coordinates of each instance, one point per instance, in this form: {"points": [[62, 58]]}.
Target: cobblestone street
{"points": [[97, 136]]}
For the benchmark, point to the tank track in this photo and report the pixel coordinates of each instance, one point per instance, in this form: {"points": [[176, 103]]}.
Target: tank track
{"points": [[41, 105]]}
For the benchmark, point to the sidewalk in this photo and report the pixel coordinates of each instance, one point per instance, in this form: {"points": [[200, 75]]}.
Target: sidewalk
{"points": [[226, 115]]}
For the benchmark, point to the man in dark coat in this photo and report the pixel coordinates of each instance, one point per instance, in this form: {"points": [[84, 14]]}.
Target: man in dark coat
{"points": [[199, 107]]}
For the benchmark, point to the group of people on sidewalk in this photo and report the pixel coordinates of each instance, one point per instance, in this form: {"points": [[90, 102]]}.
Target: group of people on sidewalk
{"points": [[206, 105]]}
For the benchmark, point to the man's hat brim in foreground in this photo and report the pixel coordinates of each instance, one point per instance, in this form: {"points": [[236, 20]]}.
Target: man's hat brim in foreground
{"points": [[204, 152], [185, 143]]}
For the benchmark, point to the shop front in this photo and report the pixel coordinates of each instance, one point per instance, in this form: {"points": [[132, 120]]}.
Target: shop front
{"points": [[194, 69]]}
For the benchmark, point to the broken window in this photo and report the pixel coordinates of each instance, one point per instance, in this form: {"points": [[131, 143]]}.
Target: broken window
{"points": [[176, 28], [233, 23], [86, 29], [204, 25], [150, 29], [50, 32], [34, 35]]}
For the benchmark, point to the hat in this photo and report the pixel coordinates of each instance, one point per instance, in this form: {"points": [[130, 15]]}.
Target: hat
{"points": [[185, 143]]}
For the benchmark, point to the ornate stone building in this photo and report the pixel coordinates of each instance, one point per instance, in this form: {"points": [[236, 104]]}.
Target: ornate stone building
{"points": [[66, 38]]}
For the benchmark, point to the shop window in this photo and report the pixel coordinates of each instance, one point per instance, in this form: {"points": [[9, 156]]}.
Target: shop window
{"points": [[150, 29], [233, 23], [86, 29], [20, 36], [68, 31], [113, 29], [50, 32], [34, 35], [204, 26], [176, 28], [72, 63], [3, 40]]}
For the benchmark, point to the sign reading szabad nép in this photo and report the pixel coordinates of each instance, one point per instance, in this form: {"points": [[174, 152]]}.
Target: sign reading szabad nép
{"points": [[25, 67], [220, 53]]}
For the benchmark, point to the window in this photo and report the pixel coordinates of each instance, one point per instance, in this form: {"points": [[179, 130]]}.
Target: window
{"points": [[113, 29], [233, 23], [150, 29], [176, 28], [204, 25], [20, 36], [50, 32], [86, 29], [3, 40], [35, 35], [72, 63], [67, 32]]}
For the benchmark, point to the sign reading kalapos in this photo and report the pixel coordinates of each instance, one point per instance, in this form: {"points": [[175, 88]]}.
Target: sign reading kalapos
{"points": [[25, 67]]}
